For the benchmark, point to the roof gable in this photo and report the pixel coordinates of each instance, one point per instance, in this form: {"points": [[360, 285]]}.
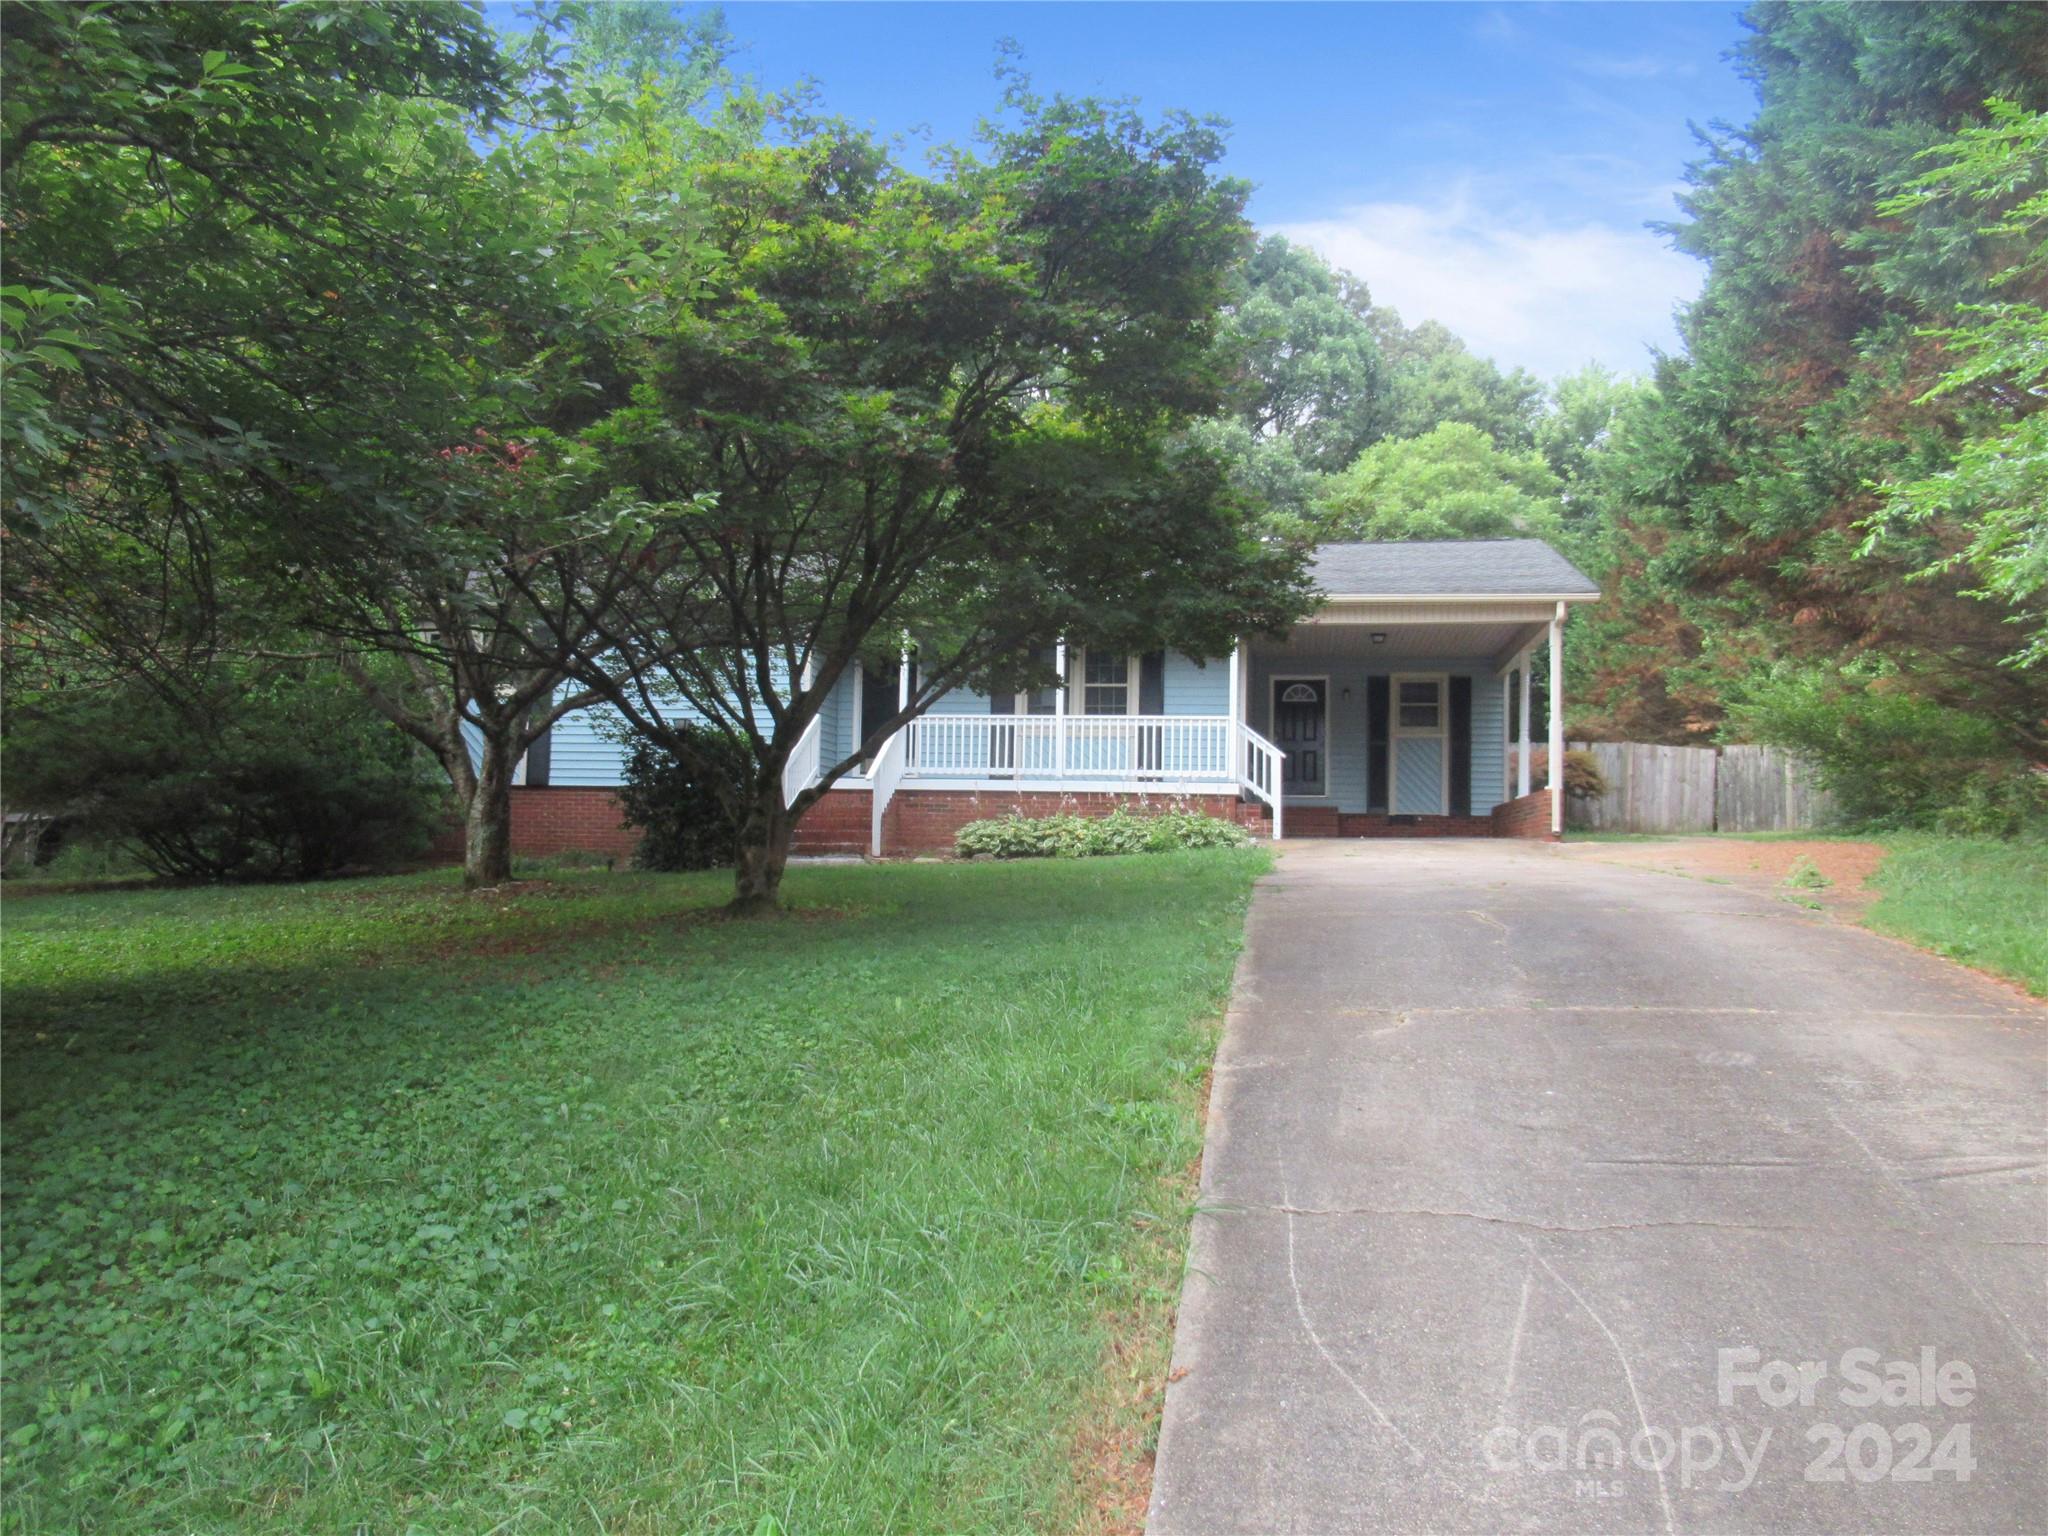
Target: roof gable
{"points": [[1447, 568]]}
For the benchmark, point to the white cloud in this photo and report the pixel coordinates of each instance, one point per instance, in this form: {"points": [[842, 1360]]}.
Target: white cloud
{"points": [[1547, 296]]}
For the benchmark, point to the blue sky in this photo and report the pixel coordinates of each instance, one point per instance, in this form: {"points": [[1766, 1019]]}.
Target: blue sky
{"points": [[1488, 166]]}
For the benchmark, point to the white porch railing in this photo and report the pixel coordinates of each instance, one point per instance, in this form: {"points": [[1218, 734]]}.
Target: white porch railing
{"points": [[1157, 748], [1261, 774], [884, 774], [1166, 753], [801, 771]]}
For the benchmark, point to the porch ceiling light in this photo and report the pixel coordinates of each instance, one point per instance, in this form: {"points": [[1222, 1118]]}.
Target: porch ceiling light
{"points": [[1379, 637]]}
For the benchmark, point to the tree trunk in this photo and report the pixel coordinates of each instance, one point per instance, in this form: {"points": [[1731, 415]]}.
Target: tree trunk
{"points": [[762, 855], [487, 833]]}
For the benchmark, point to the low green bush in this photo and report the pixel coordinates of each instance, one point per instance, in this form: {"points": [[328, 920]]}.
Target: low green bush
{"points": [[246, 774], [1894, 757], [1081, 837], [683, 823]]}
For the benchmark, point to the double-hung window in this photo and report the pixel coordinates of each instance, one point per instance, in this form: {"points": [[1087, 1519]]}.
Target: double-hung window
{"points": [[1105, 684]]}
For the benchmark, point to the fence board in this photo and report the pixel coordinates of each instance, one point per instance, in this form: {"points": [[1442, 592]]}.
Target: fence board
{"points": [[1763, 789], [1698, 789]]}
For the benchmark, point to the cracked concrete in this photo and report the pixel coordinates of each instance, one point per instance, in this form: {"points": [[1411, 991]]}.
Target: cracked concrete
{"points": [[1505, 1143]]}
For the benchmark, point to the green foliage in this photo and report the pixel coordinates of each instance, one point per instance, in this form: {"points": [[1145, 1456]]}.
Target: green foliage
{"points": [[246, 778], [392, 1206], [867, 402], [1805, 875], [1449, 483], [684, 805], [203, 237], [1311, 376], [1437, 379], [1810, 391], [1892, 756], [1997, 486], [1080, 837], [1978, 900]]}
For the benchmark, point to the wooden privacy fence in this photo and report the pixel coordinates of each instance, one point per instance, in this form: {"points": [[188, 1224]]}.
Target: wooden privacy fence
{"points": [[1698, 789]]}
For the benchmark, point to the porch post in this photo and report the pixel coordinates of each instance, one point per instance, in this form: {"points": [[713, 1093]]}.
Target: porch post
{"points": [[1233, 737], [1059, 710], [1522, 757], [1557, 722], [1507, 689], [903, 677]]}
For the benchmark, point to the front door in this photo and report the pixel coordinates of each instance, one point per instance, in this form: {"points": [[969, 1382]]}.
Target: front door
{"points": [[879, 699], [1420, 755], [1301, 730]]}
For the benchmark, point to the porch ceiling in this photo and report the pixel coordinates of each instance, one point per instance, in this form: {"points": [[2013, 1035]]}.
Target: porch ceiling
{"points": [[1482, 642]]}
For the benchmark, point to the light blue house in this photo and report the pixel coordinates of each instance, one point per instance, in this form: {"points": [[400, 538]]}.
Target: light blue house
{"points": [[1386, 712]]}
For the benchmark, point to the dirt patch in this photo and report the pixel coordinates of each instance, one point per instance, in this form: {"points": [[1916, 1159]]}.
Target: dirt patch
{"points": [[1830, 872]]}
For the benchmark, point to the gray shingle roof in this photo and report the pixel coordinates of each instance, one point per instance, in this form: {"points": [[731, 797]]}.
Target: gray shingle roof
{"points": [[1437, 568]]}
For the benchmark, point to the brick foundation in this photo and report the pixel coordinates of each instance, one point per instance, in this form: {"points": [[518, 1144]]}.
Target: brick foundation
{"points": [[923, 821], [1526, 817], [1328, 821], [839, 822], [569, 820]]}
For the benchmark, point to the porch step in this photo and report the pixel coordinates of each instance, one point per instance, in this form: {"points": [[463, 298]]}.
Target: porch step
{"points": [[1327, 821]]}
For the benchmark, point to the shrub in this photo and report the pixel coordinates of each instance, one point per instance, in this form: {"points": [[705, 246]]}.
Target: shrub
{"points": [[1893, 757], [1583, 779], [280, 776], [1079, 837], [683, 823]]}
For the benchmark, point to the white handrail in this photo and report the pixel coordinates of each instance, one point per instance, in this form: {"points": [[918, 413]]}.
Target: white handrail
{"points": [[884, 774], [1142, 748], [1260, 772], [801, 771]]}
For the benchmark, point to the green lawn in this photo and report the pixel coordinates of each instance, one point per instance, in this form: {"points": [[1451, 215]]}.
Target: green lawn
{"points": [[1982, 902], [375, 1205]]}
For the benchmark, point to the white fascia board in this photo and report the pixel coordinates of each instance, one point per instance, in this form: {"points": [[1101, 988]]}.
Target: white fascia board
{"points": [[1458, 597]]}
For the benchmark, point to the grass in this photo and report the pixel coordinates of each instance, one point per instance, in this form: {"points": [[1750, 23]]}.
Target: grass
{"points": [[377, 1206], [1976, 900]]}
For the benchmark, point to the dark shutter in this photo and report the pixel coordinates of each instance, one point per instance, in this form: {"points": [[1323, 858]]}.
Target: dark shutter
{"points": [[1002, 740], [1152, 701], [1461, 746], [1376, 742], [877, 699], [539, 758], [1152, 683]]}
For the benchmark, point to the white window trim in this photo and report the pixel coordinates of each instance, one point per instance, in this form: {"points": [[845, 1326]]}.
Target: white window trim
{"points": [[1396, 731], [1329, 789], [1077, 682]]}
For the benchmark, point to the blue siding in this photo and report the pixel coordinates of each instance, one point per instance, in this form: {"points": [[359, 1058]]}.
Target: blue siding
{"points": [[581, 754], [961, 701], [1195, 688]]}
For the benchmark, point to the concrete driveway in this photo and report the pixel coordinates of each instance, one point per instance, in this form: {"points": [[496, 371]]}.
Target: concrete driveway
{"points": [[1546, 1195]]}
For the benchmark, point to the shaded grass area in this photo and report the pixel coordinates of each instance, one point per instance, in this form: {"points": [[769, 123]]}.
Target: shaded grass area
{"points": [[1976, 900], [378, 1204]]}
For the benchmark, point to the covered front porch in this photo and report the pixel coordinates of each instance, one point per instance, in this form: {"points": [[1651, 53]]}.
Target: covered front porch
{"points": [[1403, 717]]}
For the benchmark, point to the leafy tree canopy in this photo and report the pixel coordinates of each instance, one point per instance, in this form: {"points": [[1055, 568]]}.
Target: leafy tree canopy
{"points": [[1742, 487], [954, 406], [1437, 378], [1449, 483], [1311, 371]]}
